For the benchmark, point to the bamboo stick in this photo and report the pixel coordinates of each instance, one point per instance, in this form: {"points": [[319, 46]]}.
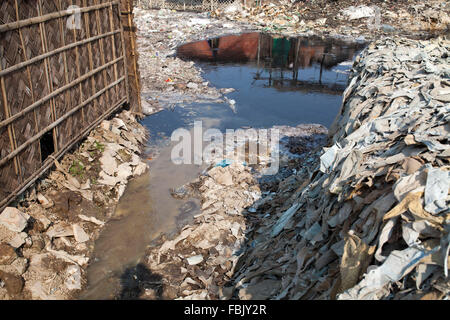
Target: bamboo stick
{"points": [[43, 18], [124, 53], [113, 48], [10, 129], [36, 129], [133, 56], [66, 70], [56, 92], [48, 74], [57, 122], [22, 42], [91, 57], [102, 52], [77, 62]]}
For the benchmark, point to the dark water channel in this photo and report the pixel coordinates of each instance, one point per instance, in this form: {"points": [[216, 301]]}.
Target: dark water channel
{"points": [[277, 81]]}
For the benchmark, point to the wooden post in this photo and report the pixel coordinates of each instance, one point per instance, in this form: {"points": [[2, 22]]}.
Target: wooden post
{"points": [[77, 62], [12, 140], [36, 129], [113, 39], [297, 47], [48, 74], [102, 54], [133, 56]]}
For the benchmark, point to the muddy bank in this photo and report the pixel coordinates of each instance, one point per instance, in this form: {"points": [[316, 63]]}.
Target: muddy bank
{"points": [[48, 238], [364, 218]]}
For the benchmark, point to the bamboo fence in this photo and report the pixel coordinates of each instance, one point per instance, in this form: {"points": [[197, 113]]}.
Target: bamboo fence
{"points": [[65, 65]]}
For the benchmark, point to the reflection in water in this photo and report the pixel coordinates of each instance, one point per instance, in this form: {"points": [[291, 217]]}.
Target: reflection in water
{"points": [[277, 60]]}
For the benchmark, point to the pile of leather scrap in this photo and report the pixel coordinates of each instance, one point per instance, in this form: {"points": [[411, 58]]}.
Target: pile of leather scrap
{"points": [[370, 219]]}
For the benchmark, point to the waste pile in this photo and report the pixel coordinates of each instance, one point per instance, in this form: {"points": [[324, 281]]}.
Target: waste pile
{"points": [[371, 219], [368, 19], [200, 260], [46, 240]]}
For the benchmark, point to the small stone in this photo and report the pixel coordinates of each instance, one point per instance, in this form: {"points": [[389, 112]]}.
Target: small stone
{"points": [[73, 280], [119, 123], [108, 162], [28, 242], [38, 243], [7, 254], [45, 222], [60, 230], [192, 85], [124, 171], [226, 179], [14, 219], [13, 283], [91, 219], [227, 90], [140, 169], [18, 240], [20, 265], [195, 260], [79, 233], [105, 125], [44, 201]]}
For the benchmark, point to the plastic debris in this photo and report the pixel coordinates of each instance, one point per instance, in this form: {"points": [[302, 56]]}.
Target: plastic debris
{"points": [[359, 12]]}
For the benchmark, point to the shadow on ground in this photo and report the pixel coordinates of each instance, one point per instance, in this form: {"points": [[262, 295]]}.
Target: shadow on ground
{"points": [[139, 281]]}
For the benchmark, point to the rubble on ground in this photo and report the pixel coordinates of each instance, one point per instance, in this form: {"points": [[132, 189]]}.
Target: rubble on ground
{"points": [[167, 80], [368, 19], [46, 241], [199, 262]]}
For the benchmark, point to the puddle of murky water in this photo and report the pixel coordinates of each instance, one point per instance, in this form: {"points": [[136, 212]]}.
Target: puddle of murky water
{"points": [[145, 211], [278, 81]]}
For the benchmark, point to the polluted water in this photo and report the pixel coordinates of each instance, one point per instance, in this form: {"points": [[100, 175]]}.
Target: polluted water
{"points": [[266, 81]]}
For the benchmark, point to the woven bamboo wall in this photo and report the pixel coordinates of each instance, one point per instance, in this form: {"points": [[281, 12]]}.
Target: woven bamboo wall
{"points": [[58, 80], [131, 54]]}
